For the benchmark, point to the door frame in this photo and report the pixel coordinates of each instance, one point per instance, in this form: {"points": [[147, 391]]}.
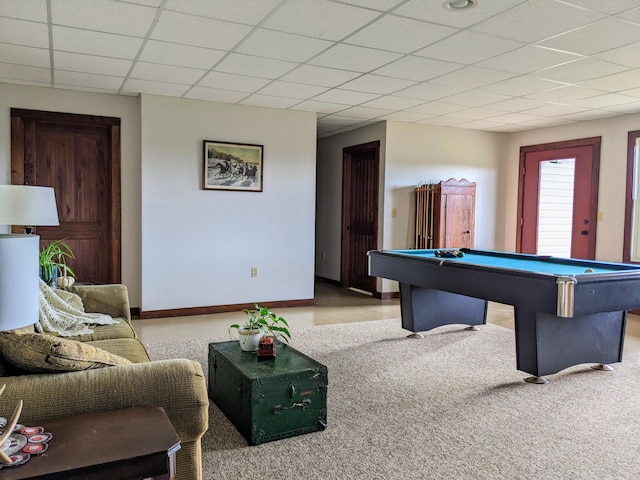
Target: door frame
{"points": [[19, 132], [594, 143], [347, 152]]}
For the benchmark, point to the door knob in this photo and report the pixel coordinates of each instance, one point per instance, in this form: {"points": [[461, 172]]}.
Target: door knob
{"points": [[584, 232]]}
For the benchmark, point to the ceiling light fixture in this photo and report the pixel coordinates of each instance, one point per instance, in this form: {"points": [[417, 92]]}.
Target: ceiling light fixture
{"points": [[459, 5]]}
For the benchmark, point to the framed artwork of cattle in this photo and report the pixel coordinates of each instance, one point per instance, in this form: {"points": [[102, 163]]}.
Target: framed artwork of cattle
{"points": [[232, 166]]}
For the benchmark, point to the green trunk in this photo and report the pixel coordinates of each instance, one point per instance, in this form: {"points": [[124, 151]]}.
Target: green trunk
{"points": [[268, 399]]}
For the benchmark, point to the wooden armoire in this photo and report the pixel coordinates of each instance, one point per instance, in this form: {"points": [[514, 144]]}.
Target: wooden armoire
{"points": [[445, 214]]}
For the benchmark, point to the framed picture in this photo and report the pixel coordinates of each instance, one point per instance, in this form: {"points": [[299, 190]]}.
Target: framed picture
{"points": [[232, 166]]}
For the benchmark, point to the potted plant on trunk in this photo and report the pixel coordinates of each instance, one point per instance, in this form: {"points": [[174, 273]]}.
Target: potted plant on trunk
{"points": [[53, 262], [259, 322]]}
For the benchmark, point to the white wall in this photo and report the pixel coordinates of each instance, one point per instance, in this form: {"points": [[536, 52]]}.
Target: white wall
{"points": [[329, 197], [67, 101], [198, 246], [410, 153], [613, 164]]}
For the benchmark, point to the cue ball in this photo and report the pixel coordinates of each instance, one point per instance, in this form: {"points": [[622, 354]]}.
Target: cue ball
{"points": [[589, 270]]}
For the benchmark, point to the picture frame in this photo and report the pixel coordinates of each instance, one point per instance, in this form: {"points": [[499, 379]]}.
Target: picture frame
{"points": [[232, 166]]}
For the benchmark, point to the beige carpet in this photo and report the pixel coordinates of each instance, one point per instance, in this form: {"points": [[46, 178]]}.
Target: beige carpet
{"points": [[449, 406]]}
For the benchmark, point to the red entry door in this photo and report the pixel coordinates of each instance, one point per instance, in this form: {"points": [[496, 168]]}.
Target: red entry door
{"points": [[585, 197]]}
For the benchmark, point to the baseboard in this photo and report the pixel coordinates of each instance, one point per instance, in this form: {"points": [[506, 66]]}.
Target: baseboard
{"points": [[185, 312]]}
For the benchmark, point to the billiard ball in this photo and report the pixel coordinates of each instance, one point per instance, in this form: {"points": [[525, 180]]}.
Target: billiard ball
{"points": [[589, 270]]}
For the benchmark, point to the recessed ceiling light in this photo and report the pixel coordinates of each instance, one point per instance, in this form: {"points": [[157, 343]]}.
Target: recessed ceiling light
{"points": [[458, 5]]}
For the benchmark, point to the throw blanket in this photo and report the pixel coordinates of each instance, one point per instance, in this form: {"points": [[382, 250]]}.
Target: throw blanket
{"points": [[62, 313]]}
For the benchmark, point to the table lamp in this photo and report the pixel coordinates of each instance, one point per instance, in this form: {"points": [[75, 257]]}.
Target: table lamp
{"points": [[27, 206]]}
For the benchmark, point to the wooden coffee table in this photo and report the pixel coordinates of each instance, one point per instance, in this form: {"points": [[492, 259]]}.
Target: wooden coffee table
{"points": [[132, 443]]}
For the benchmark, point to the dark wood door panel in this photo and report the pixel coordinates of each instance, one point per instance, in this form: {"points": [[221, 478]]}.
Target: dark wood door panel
{"points": [[79, 156]]}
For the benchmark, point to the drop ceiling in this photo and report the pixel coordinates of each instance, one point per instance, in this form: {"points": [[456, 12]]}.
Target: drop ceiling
{"points": [[504, 65]]}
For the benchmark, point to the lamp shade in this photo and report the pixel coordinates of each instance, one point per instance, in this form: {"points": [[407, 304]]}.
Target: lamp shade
{"points": [[19, 281], [27, 205]]}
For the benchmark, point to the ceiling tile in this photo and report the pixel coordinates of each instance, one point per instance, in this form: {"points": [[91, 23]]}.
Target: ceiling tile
{"points": [[605, 101], [626, 108], [20, 32], [580, 70], [615, 83], [480, 124], [283, 46], [475, 98], [34, 57], [405, 117], [381, 5], [254, 66], [365, 112], [517, 105], [383, 34], [268, 101], [555, 109], [198, 31], [18, 81], [95, 43], [348, 97], [321, 76], [514, 118], [22, 72], [544, 18], [478, 113], [443, 121], [417, 68], [349, 57], [111, 17], [33, 10], [77, 62], [528, 59], [215, 95], [522, 85], [434, 11], [228, 81], [429, 91], [471, 77], [595, 38], [437, 108], [377, 84], [319, 107], [155, 88], [249, 12], [319, 18], [634, 92], [629, 55], [456, 48], [390, 102], [589, 115], [292, 90], [565, 94], [632, 15], [610, 6], [169, 74], [88, 80], [180, 55]]}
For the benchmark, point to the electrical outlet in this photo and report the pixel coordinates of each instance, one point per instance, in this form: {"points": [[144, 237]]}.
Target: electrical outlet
{"points": [[254, 271], [394, 213], [600, 216]]}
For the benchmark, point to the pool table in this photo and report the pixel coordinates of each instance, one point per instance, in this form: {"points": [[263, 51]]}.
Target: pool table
{"points": [[567, 311]]}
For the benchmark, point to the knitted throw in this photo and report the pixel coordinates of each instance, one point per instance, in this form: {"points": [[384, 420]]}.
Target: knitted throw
{"points": [[62, 313]]}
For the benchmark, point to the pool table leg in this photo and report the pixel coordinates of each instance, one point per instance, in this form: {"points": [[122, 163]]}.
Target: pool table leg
{"points": [[423, 308], [546, 344]]}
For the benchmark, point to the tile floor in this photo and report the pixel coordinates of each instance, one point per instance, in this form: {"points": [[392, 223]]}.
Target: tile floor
{"points": [[332, 305]]}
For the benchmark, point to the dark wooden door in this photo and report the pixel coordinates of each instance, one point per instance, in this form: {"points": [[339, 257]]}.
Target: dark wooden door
{"points": [[586, 155], [79, 156], [359, 214]]}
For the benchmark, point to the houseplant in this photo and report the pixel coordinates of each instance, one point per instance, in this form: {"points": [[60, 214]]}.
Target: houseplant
{"points": [[53, 261], [260, 321]]}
